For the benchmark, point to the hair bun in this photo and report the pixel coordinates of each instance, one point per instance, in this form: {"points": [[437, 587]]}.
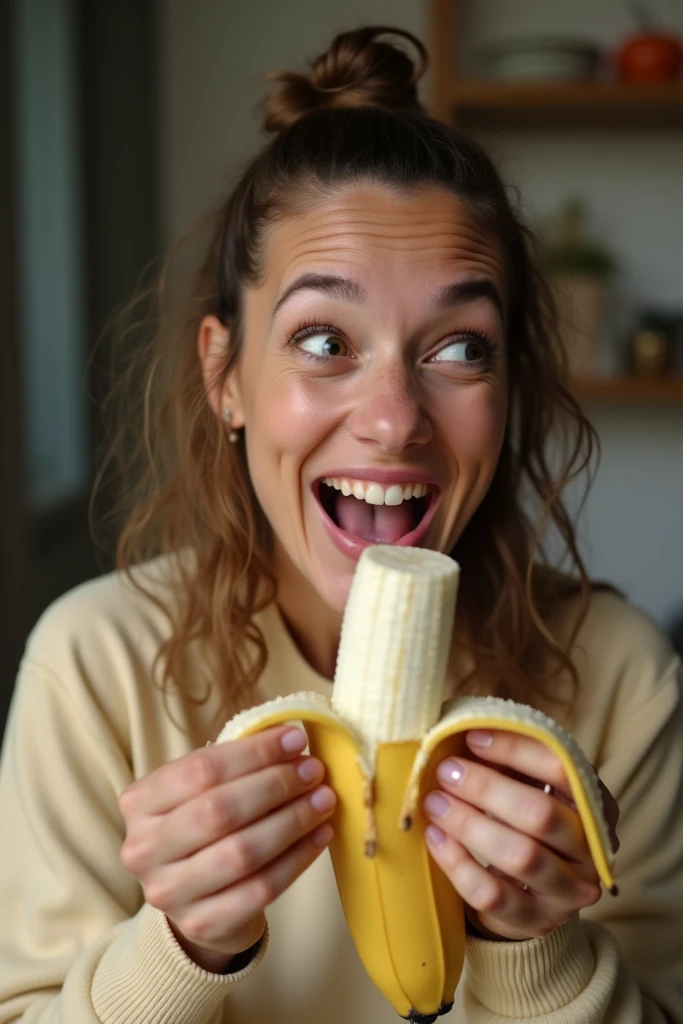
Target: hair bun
{"points": [[358, 70]]}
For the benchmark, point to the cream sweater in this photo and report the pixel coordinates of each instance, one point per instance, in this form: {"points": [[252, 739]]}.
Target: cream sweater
{"points": [[79, 946]]}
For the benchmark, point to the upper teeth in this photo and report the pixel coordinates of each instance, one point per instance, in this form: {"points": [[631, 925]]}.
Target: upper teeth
{"points": [[374, 493]]}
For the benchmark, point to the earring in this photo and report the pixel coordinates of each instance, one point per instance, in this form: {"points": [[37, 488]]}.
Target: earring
{"points": [[233, 436]]}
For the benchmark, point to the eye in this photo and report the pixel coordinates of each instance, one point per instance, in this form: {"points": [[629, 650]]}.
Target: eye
{"points": [[465, 350], [321, 344]]}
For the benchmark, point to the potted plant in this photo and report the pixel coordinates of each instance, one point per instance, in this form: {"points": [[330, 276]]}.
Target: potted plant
{"points": [[581, 269]]}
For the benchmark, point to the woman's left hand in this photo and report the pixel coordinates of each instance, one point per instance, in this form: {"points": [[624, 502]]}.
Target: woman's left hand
{"points": [[540, 869]]}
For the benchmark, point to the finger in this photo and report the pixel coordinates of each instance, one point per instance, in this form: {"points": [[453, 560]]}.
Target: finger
{"points": [[526, 808], [230, 807], [243, 853], [179, 781], [518, 856], [205, 922], [536, 783], [495, 899], [523, 754], [531, 760]]}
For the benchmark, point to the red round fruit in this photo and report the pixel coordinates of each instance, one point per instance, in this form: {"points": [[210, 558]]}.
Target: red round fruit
{"points": [[649, 57]]}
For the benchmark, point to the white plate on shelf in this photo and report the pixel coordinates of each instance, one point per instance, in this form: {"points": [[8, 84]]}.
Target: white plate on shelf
{"points": [[534, 59]]}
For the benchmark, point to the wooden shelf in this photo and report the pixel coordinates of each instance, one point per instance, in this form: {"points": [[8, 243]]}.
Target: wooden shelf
{"points": [[477, 102], [630, 389]]}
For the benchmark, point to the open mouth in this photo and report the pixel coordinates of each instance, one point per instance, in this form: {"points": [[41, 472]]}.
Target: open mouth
{"points": [[376, 513]]}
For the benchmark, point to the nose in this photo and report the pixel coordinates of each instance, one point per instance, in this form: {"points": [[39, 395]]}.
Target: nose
{"points": [[389, 413]]}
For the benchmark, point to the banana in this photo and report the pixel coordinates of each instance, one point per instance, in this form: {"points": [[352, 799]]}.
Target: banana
{"points": [[381, 738]]}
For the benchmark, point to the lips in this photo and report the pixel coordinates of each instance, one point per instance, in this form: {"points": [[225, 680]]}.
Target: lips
{"points": [[373, 488]]}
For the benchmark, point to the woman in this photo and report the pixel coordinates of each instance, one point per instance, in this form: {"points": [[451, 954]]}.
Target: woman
{"points": [[367, 356]]}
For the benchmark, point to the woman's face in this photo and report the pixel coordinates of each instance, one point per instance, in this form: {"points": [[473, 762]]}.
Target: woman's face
{"points": [[372, 379]]}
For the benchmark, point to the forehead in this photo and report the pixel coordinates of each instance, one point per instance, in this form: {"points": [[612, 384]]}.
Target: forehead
{"points": [[426, 232]]}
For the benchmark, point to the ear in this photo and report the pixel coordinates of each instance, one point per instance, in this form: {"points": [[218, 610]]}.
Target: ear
{"points": [[212, 346]]}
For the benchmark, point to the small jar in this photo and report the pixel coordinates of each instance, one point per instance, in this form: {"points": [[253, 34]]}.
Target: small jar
{"points": [[650, 353]]}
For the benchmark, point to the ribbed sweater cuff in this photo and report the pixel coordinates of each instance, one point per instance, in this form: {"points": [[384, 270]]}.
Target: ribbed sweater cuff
{"points": [[531, 978], [144, 977]]}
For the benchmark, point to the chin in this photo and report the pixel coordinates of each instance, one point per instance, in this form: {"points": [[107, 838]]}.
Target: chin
{"points": [[334, 586]]}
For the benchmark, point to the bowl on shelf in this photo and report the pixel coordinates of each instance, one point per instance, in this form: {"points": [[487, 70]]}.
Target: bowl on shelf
{"points": [[541, 59]]}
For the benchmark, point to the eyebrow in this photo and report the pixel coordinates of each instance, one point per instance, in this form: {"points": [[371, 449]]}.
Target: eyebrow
{"points": [[327, 284], [345, 288], [467, 291]]}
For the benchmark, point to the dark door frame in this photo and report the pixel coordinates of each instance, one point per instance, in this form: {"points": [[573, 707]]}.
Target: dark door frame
{"points": [[13, 527]]}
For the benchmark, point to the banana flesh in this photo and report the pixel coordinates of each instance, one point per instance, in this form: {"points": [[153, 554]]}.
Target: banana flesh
{"points": [[381, 738]]}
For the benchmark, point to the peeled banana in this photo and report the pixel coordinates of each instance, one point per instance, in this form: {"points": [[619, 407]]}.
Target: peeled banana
{"points": [[381, 738]]}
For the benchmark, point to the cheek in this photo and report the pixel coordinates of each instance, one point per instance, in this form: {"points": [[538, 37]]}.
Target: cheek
{"points": [[289, 416], [475, 427]]}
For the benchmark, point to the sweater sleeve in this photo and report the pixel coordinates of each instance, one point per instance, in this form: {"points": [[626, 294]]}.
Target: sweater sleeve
{"points": [[77, 941], [620, 961]]}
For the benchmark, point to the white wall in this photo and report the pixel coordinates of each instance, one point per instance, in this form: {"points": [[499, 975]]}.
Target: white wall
{"points": [[213, 56]]}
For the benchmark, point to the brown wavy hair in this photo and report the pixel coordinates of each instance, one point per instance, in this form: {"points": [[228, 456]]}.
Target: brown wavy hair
{"points": [[354, 118]]}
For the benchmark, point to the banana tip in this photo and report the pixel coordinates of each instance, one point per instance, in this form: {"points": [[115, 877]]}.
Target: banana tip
{"points": [[428, 1018], [614, 891]]}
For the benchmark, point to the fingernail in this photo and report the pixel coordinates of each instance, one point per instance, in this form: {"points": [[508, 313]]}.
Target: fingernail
{"points": [[323, 799], [451, 772], [436, 805], [322, 835], [479, 738], [434, 835], [293, 739], [309, 769]]}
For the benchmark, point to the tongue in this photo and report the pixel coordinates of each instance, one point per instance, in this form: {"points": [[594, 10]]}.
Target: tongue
{"points": [[382, 524]]}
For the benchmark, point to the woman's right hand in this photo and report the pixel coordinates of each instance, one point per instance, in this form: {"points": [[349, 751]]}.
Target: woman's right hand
{"points": [[216, 835]]}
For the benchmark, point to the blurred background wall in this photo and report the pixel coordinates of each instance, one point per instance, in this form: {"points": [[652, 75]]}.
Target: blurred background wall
{"points": [[121, 123]]}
